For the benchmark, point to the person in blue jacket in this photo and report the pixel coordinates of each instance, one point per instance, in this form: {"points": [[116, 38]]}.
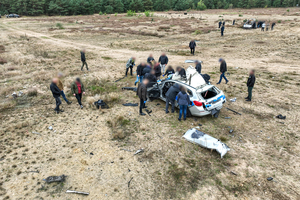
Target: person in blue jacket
{"points": [[222, 30], [183, 100]]}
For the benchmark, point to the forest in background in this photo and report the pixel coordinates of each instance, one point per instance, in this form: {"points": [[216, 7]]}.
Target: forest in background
{"points": [[88, 7]]}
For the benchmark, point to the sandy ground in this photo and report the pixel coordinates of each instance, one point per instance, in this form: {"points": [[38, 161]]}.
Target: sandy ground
{"points": [[84, 144]]}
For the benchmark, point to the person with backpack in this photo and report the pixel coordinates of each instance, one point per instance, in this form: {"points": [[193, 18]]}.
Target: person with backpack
{"points": [[183, 100], [78, 89]]}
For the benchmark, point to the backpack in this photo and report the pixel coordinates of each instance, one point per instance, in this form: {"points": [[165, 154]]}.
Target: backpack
{"points": [[101, 103]]}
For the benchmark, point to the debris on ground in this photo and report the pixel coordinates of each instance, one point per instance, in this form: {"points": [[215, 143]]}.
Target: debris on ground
{"points": [[120, 79], [233, 111], [35, 171], [281, 116], [126, 150], [148, 111], [35, 133], [20, 93], [215, 113], [101, 104], [130, 88], [192, 61], [231, 130], [129, 182], [76, 192], [270, 179], [233, 100], [139, 151], [14, 95], [233, 173], [130, 104], [51, 179], [195, 136], [227, 117], [50, 128]]}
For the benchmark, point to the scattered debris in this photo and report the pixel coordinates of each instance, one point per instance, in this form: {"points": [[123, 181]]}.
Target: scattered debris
{"points": [[20, 93], [233, 100], [14, 95], [91, 153], [281, 117], [148, 111], [215, 113], [270, 179], [50, 128], [120, 79], [126, 150], [231, 130], [101, 103], [35, 171], [195, 136], [130, 104], [281, 122], [158, 104], [76, 192], [1, 159], [233, 173], [199, 124], [130, 88], [84, 151], [51, 179], [192, 61], [139, 151], [159, 136], [129, 182], [35, 133], [233, 111], [227, 117]]}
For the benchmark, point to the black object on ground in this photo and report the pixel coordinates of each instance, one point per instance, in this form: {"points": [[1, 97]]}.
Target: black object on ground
{"points": [[101, 103], [130, 88], [158, 104], [281, 117], [270, 178], [233, 111], [120, 79], [281, 122], [233, 173], [130, 104], [199, 124], [148, 111], [92, 153], [231, 130], [215, 113], [51, 179], [129, 182], [35, 171]]}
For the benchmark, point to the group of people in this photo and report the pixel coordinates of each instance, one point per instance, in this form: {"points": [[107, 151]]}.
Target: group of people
{"points": [[57, 89], [264, 25], [222, 26]]}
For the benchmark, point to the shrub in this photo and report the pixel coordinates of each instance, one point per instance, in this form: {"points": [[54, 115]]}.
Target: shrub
{"points": [[230, 6], [201, 5], [32, 92], [59, 25], [116, 14], [131, 13], [147, 13], [197, 32], [100, 13], [279, 21], [240, 15], [288, 10]]}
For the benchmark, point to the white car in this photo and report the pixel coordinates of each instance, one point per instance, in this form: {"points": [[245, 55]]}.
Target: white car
{"points": [[249, 24], [207, 99]]}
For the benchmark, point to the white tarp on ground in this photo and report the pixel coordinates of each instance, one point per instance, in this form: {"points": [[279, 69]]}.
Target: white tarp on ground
{"points": [[195, 136]]}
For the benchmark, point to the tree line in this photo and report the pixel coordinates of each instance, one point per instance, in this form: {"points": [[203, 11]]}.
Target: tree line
{"points": [[87, 7]]}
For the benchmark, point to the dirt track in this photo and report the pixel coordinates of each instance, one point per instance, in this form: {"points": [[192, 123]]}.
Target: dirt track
{"points": [[170, 167]]}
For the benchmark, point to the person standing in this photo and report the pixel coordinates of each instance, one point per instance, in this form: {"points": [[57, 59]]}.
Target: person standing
{"points": [[222, 30], [142, 94], [150, 59], [263, 27], [267, 27], [220, 23], [83, 60], [171, 96], [233, 22], [129, 65], [139, 72], [198, 66], [78, 89], [272, 27], [223, 69], [224, 23], [192, 46], [151, 78], [250, 85], [183, 100], [163, 60], [61, 87], [56, 94], [157, 69]]}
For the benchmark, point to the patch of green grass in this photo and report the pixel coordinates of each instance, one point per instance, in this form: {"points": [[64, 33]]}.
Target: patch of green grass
{"points": [[59, 25], [44, 37], [106, 58]]}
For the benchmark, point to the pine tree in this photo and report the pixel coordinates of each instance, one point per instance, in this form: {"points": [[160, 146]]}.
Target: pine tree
{"points": [[180, 5], [148, 4], [136, 5], [118, 6]]}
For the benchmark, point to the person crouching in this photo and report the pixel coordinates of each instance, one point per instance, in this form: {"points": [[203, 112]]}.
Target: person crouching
{"points": [[77, 89]]}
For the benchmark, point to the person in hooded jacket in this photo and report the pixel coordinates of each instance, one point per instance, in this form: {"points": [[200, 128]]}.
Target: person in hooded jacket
{"points": [[139, 72], [151, 77], [171, 96], [146, 70], [169, 71], [250, 85], [192, 46], [78, 89], [183, 100], [163, 60]]}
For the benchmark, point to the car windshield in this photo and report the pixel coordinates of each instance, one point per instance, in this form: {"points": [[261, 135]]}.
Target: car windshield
{"points": [[208, 93]]}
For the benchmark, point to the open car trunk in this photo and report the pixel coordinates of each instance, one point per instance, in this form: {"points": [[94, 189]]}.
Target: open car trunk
{"points": [[212, 96]]}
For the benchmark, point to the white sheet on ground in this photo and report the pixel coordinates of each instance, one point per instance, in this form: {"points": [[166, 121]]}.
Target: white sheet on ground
{"points": [[195, 136]]}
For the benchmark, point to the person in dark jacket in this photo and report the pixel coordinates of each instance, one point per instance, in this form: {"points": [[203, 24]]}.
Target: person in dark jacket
{"points": [[169, 71], [220, 23], [163, 61], [183, 100], [198, 66], [250, 85], [192, 46], [150, 59], [56, 94], [224, 23], [233, 22], [142, 94], [139, 72], [222, 30], [83, 60], [171, 96], [146, 70], [223, 69], [129, 65], [272, 26], [181, 72], [157, 69], [151, 78], [61, 87], [78, 89]]}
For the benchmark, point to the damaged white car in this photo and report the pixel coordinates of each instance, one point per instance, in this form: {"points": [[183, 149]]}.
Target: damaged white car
{"points": [[206, 99]]}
